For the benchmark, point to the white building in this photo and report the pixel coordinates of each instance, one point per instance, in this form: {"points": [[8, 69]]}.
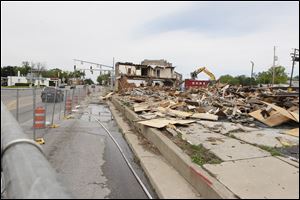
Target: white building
{"points": [[12, 80]]}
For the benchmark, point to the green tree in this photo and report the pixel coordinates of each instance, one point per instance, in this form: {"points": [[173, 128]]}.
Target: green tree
{"points": [[8, 71], [88, 81], [76, 74], [228, 79], [296, 78], [65, 75], [25, 68], [52, 73], [266, 77], [245, 81], [280, 74], [103, 79]]}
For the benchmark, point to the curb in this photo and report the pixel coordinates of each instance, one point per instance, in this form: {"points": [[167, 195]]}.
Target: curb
{"points": [[197, 176], [155, 164]]}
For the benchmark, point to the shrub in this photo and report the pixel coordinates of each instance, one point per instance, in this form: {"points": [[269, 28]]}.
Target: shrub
{"points": [[22, 84]]}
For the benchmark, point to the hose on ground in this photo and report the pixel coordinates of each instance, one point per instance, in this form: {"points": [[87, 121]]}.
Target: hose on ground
{"points": [[126, 160]]}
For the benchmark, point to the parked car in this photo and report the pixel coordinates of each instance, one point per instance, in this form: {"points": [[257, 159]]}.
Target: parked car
{"points": [[62, 86], [93, 86], [72, 87], [3, 83], [48, 94]]}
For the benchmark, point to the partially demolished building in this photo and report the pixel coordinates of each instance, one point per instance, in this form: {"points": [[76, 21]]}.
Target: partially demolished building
{"points": [[149, 72]]}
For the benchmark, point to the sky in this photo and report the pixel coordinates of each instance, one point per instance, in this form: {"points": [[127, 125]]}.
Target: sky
{"points": [[222, 36]]}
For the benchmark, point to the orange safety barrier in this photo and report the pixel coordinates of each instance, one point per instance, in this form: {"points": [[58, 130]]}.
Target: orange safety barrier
{"points": [[75, 100], [68, 105], [39, 117]]}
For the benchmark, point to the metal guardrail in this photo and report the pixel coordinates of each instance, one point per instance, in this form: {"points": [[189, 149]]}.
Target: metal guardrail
{"points": [[26, 171]]}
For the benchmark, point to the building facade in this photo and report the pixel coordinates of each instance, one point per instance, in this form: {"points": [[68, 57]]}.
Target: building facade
{"points": [[149, 72]]}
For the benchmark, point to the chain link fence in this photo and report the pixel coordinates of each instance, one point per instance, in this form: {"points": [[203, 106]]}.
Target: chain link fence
{"points": [[51, 103]]}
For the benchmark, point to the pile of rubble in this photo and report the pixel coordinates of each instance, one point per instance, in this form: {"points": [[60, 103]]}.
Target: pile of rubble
{"points": [[163, 106]]}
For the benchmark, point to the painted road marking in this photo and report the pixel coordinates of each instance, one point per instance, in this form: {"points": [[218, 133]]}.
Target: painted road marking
{"points": [[23, 102]]}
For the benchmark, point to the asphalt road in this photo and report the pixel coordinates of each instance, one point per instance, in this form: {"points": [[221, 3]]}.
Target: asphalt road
{"points": [[121, 181], [9, 98]]}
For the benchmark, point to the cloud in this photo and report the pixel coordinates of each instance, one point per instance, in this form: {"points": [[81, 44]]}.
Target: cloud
{"points": [[223, 19]]}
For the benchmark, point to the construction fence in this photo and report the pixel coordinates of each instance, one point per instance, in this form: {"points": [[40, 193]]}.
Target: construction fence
{"points": [[43, 106]]}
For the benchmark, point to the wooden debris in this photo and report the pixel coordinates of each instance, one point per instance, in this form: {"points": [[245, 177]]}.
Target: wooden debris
{"points": [[205, 116], [162, 122], [138, 99], [107, 96], [141, 107], [293, 132], [178, 113], [240, 105], [284, 112], [148, 116], [274, 119], [190, 107], [164, 104]]}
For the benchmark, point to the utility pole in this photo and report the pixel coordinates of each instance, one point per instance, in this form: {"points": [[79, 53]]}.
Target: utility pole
{"points": [[274, 58], [31, 74], [295, 57], [252, 63], [111, 75], [39, 75]]}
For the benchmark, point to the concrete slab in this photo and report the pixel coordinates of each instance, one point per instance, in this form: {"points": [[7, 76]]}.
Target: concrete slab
{"points": [[267, 137], [196, 134], [258, 178], [224, 127], [202, 137], [289, 161], [232, 149]]}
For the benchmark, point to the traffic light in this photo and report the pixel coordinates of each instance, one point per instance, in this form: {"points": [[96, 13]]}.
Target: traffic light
{"points": [[91, 69], [74, 67]]}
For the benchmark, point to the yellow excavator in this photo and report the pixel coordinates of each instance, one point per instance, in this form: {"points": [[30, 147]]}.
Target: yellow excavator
{"points": [[195, 73]]}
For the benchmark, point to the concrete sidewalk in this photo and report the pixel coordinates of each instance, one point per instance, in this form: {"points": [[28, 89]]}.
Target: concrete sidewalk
{"points": [[260, 174]]}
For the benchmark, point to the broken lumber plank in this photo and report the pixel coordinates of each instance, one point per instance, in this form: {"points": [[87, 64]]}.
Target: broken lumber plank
{"points": [[274, 119], [178, 113], [140, 107], [137, 99], [283, 111], [205, 116], [161, 122], [107, 96]]}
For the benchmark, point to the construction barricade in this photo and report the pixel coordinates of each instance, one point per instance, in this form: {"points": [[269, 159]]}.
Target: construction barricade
{"points": [[68, 105], [75, 100], [39, 118]]}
